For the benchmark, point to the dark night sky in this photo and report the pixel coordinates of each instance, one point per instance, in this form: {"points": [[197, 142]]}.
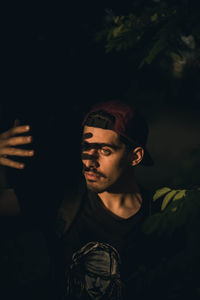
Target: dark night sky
{"points": [[52, 72]]}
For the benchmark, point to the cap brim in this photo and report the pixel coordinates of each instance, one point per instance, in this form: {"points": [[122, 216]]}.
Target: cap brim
{"points": [[147, 159]]}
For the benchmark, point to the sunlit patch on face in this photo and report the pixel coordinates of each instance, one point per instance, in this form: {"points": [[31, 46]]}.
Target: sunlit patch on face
{"points": [[87, 135]]}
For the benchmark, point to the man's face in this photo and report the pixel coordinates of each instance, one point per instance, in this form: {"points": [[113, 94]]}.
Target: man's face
{"points": [[104, 157], [98, 274]]}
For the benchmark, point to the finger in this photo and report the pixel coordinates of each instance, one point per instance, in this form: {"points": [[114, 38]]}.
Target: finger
{"points": [[20, 140], [16, 152], [11, 163], [15, 130]]}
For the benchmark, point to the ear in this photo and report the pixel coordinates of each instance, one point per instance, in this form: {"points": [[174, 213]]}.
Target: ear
{"points": [[137, 156]]}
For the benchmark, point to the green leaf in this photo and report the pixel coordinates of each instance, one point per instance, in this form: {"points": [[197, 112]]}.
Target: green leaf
{"points": [[161, 192], [179, 195], [154, 17], [116, 19], [117, 30], [174, 209], [175, 56], [167, 199], [155, 50]]}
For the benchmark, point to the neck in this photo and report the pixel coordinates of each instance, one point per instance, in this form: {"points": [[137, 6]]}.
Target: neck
{"points": [[124, 199]]}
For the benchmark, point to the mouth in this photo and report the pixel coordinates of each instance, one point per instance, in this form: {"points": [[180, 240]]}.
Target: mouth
{"points": [[91, 176], [95, 293]]}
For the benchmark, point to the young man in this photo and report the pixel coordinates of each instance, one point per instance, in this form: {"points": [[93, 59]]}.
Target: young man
{"points": [[108, 208], [113, 206], [101, 251]]}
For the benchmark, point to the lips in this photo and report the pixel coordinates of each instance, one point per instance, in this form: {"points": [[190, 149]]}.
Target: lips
{"points": [[91, 176]]}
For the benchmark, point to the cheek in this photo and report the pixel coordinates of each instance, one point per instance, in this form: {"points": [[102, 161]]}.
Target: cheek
{"points": [[114, 167]]}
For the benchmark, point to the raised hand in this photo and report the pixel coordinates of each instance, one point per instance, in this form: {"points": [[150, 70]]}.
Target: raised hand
{"points": [[9, 142]]}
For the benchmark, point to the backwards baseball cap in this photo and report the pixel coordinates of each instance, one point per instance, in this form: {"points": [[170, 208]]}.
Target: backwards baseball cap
{"points": [[124, 120]]}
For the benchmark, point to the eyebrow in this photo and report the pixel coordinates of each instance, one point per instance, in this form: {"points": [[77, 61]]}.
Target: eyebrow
{"points": [[100, 145], [111, 145]]}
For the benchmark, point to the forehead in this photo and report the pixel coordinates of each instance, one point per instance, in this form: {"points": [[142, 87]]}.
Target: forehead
{"points": [[98, 263], [99, 135]]}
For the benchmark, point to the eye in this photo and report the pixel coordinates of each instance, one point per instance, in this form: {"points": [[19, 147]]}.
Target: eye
{"points": [[105, 151], [90, 274]]}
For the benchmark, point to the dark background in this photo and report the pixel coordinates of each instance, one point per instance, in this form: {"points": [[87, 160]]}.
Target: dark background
{"points": [[53, 70]]}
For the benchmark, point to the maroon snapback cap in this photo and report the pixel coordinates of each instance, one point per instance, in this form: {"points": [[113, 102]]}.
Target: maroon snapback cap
{"points": [[125, 120]]}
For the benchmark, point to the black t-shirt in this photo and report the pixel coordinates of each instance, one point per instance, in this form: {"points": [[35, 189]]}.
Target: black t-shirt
{"points": [[97, 232]]}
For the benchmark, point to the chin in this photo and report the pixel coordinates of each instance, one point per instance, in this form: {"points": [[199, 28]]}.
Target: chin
{"points": [[94, 188]]}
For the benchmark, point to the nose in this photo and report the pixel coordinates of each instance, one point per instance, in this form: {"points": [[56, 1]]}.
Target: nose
{"points": [[90, 158], [98, 282]]}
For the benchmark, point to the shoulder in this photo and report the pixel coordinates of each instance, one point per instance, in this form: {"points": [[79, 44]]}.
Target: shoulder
{"points": [[150, 206], [70, 205]]}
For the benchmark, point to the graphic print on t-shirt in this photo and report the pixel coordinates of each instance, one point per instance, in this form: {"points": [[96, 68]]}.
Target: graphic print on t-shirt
{"points": [[94, 273]]}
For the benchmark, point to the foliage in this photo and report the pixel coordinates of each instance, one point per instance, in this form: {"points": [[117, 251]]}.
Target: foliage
{"points": [[179, 208], [158, 30], [178, 225]]}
